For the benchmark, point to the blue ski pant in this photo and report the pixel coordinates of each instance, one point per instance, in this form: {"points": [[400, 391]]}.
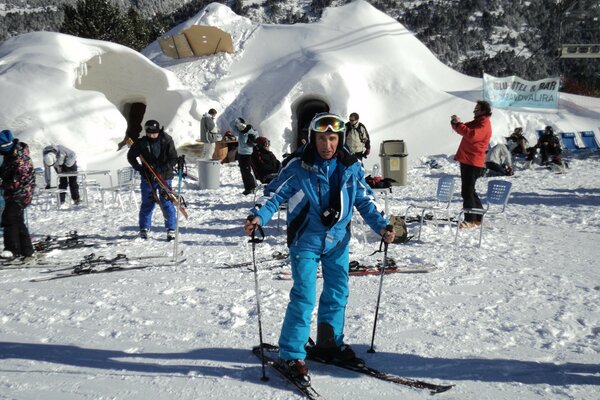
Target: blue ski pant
{"points": [[148, 203], [332, 302]]}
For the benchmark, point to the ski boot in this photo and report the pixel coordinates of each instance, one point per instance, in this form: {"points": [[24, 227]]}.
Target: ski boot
{"points": [[170, 235], [326, 349], [297, 370]]}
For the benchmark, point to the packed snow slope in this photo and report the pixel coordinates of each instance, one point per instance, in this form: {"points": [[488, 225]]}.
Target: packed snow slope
{"points": [[515, 319]]}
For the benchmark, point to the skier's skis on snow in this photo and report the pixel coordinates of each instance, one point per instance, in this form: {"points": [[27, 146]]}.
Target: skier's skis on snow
{"points": [[92, 264], [266, 355], [358, 269], [366, 370]]}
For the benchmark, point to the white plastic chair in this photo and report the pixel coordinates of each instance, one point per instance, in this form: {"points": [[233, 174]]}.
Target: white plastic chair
{"points": [[496, 200], [445, 191], [125, 186]]}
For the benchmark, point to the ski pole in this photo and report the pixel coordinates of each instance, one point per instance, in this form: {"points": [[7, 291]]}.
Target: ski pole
{"points": [[254, 240], [389, 228], [180, 165]]}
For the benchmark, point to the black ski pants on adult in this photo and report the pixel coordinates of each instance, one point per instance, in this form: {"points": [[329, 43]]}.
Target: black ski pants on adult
{"points": [[469, 175], [16, 234], [70, 181], [495, 169], [245, 162]]}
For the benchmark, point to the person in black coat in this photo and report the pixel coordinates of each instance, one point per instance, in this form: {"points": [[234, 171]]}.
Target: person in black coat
{"points": [[549, 145], [158, 149], [17, 182], [264, 163]]}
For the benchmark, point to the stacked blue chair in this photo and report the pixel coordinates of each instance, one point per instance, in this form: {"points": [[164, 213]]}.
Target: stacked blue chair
{"points": [[570, 144], [590, 141]]}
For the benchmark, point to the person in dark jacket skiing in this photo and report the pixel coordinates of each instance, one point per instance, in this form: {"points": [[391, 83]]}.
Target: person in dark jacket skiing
{"points": [[322, 183], [18, 183], [264, 163], [158, 149], [476, 136]]}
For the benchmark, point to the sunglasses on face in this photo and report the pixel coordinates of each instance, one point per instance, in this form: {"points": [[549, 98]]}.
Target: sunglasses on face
{"points": [[328, 123]]}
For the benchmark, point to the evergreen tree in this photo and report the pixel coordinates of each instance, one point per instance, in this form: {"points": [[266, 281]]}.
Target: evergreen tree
{"points": [[94, 19]]}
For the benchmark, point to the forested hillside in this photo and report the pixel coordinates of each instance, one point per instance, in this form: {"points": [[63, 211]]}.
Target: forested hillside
{"points": [[499, 37]]}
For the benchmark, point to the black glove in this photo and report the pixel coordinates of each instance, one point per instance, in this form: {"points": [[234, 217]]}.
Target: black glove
{"points": [[251, 138]]}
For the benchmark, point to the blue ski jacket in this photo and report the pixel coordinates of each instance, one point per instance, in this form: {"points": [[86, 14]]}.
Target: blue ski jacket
{"points": [[311, 186]]}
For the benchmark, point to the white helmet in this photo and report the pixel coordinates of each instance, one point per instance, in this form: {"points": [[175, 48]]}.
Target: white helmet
{"points": [[49, 159]]}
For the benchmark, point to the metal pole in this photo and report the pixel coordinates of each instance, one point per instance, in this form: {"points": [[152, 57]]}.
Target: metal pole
{"points": [[389, 228], [255, 240]]}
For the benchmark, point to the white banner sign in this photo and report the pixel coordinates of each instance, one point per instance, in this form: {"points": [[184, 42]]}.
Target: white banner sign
{"points": [[513, 91]]}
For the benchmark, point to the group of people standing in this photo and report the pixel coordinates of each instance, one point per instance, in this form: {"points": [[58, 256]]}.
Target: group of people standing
{"points": [[255, 158], [322, 182], [477, 159]]}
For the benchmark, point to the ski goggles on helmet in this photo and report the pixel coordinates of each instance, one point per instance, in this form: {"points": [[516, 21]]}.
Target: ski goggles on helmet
{"points": [[328, 123]]}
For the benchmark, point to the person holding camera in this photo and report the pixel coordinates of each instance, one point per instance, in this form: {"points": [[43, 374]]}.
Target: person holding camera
{"points": [[323, 183], [471, 151], [246, 136]]}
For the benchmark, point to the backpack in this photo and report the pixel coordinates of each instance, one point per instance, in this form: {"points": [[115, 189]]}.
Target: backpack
{"points": [[377, 182], [399, 229]]}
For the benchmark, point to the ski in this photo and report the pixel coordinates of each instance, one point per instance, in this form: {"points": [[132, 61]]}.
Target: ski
{"points": [[402, 269], [19, 263], [276, 256], [70, 241], [433, 388], [115, 268], [307, 391], [357, 269], [165, 186], [92, 264]]}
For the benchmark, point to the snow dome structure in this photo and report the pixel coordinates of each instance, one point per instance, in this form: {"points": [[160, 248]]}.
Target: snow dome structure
{"points": [[92, 90]]}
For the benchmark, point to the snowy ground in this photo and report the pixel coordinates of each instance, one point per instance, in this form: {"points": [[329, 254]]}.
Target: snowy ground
{"points": [[515, 319]]}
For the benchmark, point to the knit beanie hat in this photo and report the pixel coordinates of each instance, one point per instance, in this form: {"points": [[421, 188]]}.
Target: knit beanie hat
{"points": [[6, 141]]}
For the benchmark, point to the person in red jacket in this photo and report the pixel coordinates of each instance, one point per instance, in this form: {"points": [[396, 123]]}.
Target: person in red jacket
{"points": [[476, 136]]}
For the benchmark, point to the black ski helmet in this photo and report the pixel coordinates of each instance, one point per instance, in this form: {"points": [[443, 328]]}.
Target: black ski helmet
{"points": [[152, 126]]}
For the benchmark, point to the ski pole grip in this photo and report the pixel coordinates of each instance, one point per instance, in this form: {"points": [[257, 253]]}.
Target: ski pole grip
{"points": [[253, 238]]}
